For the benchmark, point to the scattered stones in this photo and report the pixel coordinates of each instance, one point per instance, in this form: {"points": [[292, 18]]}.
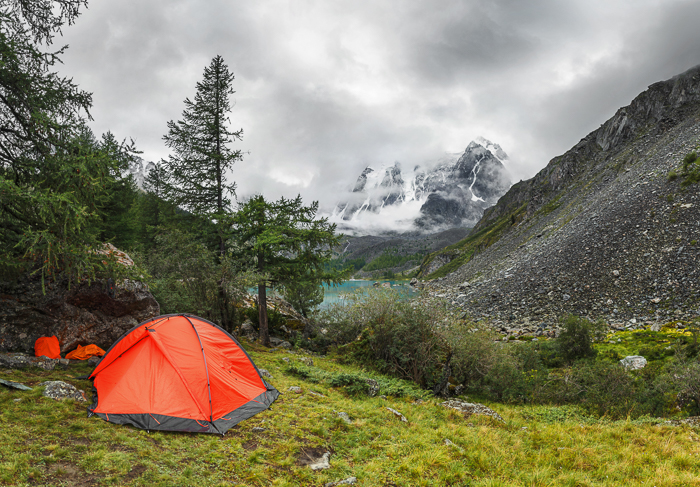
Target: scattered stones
{"points": [[347, 481], [693, 421], [634, 362], [295, 389], [469, 408], [15, 385], [21, 361], [398, 415], [58, 390], [345, 417]]}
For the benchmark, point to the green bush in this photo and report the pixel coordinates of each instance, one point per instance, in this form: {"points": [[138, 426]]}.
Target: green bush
{"points": [[576, 339], [393, 335]]}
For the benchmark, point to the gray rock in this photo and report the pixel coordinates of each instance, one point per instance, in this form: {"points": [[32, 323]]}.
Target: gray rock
{"points": [[58, 390], [265, 373], [401, 417], [372, 387], [322, 463], [96, 312], [248, 331], [278, 342], [472, 408], [258, 429], [307, 361], [15, 385], [634, 362], [347, 481], [345, 417], [295, 389], [21, 361]]}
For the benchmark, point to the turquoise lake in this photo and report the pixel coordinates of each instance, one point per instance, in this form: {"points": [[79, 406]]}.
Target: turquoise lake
{"points": [[334, 294]]}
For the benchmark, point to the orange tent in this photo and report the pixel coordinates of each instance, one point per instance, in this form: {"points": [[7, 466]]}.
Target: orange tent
{"points": [[48, 347], [84, 353], [178, 373]]}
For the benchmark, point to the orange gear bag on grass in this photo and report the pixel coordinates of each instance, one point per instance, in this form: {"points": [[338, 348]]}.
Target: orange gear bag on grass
{"points": [[48, 347], [84, 353]]}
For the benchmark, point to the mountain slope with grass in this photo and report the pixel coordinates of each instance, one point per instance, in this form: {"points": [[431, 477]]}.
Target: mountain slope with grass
{"points": [[608, 230]]}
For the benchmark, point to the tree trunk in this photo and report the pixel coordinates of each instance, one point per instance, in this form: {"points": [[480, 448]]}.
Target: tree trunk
{"points": [[262, 315], [223, 308]]}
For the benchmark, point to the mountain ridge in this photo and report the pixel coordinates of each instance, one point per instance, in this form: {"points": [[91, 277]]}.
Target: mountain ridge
{"points": [[602, 231], [452, 191]]}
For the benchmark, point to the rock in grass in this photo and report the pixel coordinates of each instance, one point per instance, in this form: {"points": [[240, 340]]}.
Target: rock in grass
{"points": [[472, 408], [347, 481], [322, 463], [398, 415], [634, 362], [265, 373], [345, 417], [57, 389], [295, 389], [449, 443], [15, 385]]}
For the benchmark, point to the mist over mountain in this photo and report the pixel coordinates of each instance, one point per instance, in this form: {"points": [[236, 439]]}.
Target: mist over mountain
{"points": [[452, 191]]}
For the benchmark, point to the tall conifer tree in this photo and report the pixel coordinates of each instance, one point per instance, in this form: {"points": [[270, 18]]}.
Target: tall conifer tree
{"points": [[201, 150]]}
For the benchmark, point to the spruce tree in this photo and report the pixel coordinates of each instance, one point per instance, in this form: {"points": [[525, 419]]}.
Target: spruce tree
{"points": [[196, 170], [284, 243]]}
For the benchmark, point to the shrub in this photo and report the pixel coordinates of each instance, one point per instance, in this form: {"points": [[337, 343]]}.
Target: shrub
{"points": [[576, 339], [608, 389], [391, 334], [682, 382]]}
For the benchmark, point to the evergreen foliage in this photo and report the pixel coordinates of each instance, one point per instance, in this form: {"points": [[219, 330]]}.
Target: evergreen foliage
{"points": [[194, 176], [54, 179], [284, 241]]}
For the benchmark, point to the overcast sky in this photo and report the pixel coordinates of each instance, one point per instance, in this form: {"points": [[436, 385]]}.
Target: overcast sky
{"points": [[327, 87]]}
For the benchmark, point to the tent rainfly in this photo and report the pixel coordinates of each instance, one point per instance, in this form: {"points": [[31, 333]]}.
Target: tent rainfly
{"points": [[178, 373]]}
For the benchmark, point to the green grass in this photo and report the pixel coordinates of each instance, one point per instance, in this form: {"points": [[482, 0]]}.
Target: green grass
{"points": [[44, 442]]}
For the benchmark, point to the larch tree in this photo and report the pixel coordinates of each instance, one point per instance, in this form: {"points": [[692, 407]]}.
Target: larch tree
{"points": [[195, 173], [284, 242], [52, 177]]}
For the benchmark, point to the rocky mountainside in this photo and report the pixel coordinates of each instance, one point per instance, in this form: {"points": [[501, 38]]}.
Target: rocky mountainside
{"points": [[450, 192], [609, 230]]}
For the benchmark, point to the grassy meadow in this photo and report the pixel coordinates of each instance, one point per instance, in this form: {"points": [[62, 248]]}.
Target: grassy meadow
{"points": [[46, 442]]}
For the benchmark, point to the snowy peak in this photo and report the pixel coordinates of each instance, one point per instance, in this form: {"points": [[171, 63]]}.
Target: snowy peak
{"points": [[451, 191]]}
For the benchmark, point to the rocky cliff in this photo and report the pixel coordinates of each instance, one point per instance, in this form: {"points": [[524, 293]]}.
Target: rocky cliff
{"points": [[603, 231], [97, 312]]}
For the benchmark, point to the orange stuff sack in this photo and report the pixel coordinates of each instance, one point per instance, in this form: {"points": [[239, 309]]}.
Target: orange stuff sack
{"points": [[48, 347], [84, 353]]}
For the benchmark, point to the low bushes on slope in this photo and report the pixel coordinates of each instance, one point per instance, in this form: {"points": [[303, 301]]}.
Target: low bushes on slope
{"points": [[419, 341]]}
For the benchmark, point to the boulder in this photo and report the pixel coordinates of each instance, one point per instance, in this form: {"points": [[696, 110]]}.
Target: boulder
{"points": [[634, 362], [57, 389], [96, 312]]}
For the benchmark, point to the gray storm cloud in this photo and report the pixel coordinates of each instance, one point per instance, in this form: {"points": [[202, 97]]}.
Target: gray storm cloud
{"points": [[324, 89]]}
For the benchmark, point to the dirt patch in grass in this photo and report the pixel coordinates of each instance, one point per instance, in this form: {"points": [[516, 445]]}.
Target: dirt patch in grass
{"points": [[67, 473], [250, 445]]}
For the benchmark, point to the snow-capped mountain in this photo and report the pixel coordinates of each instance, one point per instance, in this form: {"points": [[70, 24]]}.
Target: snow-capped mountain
{"points": [[450, 192]]}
